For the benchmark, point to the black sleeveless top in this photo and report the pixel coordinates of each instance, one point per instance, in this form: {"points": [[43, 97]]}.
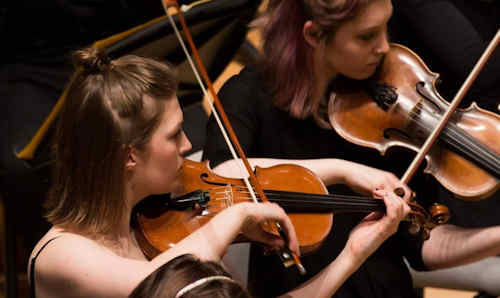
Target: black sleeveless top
{"points": [[32, 268]]}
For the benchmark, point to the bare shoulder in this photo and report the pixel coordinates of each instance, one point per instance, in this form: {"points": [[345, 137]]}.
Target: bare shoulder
{"points": [[61, 258], [59, 239], [59, 248], [73, 265]]}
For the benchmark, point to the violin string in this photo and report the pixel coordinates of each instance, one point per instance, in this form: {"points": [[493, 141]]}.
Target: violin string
{"points": [[459, 138], [332, 205], [477, 146], [270, 193], [345, 203], [415, 115], [305, 198]]}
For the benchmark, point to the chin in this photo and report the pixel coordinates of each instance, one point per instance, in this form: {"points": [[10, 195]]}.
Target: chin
{"points": [[365, 75], [362, 75], [177, 188]]}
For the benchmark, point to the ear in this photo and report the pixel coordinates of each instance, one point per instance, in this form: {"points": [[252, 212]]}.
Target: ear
{"points": [[312, 33], [131, 162]]}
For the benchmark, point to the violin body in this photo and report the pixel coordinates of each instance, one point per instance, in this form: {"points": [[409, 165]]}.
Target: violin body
{"points": [[160, 229], [401, 109]]}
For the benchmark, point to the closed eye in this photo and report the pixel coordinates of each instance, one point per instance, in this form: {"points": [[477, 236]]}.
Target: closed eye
{"points": [[367, 36]]}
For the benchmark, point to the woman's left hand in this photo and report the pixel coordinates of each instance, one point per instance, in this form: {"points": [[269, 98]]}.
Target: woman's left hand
{"points": [[368, 235]]}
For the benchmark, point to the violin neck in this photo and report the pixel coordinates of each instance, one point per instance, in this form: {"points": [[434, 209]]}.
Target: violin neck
{"points": [[319, 203], [294, 202], [457, 140]]}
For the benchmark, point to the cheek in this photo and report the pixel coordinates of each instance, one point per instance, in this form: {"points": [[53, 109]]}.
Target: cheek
{"points": [[168, 161], [163, 162], [165, 172], [352, 63], [343, 62]]}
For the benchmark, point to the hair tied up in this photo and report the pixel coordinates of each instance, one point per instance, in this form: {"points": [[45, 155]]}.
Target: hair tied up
{"points": [[91, 60]]}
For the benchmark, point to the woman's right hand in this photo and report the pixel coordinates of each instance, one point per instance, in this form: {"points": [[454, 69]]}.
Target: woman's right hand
{"points": [[375, 228], [257, 214]]}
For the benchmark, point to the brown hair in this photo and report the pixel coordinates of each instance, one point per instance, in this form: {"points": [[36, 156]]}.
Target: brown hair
{"points": [[104, 114], [287, 57], [170, 278]]}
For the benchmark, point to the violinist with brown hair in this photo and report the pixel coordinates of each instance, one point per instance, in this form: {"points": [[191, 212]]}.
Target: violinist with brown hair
{"points": [[278, 108], [120, 139]]}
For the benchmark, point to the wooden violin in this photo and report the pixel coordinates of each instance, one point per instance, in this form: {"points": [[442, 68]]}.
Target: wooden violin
{"points": [[160, 223], [400, 106]]}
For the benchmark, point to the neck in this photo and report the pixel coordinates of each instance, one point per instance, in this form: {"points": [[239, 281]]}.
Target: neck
{"points": [[124, 230], [124, 243], [123, 240], [323, 76]]}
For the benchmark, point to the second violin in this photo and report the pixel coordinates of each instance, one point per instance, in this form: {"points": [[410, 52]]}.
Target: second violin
{"points": [[400, 106]]}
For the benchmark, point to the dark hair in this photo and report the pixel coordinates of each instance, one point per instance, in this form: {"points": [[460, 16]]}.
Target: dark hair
{"points": [[287, 57], [109, 107], [170, 278]]}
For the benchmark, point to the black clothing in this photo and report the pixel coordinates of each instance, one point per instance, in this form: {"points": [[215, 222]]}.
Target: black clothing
{"points": [[32, 268], [266, 131], [450, 36]]}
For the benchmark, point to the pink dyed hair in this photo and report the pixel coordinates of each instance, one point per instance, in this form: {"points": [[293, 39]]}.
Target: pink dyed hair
{"points": [[288, 58]]}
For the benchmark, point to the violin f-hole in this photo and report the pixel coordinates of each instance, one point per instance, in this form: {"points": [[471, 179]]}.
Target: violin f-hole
{"points": [[204, 178], [427, 94]]}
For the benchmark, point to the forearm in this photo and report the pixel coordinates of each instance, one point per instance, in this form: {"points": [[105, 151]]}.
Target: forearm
{"points": [[329, 280], [360, 178], [329, 170], [211, 240], [451, 246]]}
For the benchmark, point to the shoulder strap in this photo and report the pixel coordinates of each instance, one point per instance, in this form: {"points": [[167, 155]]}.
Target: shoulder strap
{"points": [[32, 268]]}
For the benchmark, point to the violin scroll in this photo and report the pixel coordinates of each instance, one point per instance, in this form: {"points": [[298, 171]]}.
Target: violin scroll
{"points": [[423, 221], [440, 214]]}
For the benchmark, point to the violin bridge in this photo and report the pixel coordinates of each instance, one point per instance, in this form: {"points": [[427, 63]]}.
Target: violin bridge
{"points": [[229, 196]]}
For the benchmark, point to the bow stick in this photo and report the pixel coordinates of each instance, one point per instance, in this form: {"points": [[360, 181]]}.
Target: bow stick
{"points": [[289, 258], [453, 106]]}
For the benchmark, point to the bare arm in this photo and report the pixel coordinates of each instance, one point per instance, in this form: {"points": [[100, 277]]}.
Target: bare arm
{"points": [[93, 270], [450, 245], [360, 178], [211, 241]]}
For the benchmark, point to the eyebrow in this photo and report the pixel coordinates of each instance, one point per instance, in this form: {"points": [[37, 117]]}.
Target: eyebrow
{"points": [[177, 127]]}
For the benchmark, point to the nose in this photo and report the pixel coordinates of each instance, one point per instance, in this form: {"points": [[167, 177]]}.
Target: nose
{"points": [[383, 45], [185, 145]]}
